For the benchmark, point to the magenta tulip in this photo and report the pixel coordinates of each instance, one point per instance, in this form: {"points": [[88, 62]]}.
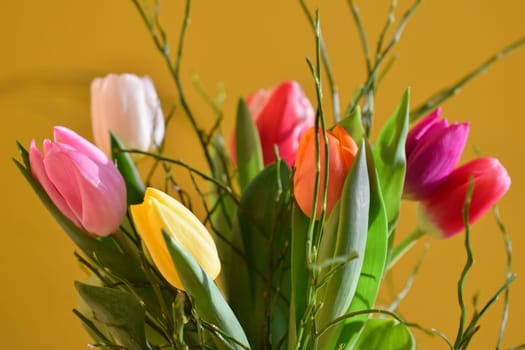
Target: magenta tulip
{"points": [[81, 181], [441, 213], [282, 114], [433, 148]]}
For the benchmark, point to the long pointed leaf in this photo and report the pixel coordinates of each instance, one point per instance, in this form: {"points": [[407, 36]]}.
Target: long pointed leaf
{"points": [[248, 145], [390, 159], [374, 259], [351, 238], [299, 272], [207, 298]]}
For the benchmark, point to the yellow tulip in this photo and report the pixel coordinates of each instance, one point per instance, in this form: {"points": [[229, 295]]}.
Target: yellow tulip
{"points": [[160, 211]]}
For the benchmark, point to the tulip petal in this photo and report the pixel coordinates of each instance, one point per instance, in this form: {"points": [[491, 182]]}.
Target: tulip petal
{"points": [[284, 118], [38, 170], [433, 160], [149, 226], [159, 212], [128, 106], [157, 127], [341, 150], [75, 141], [420, 129], [442, 213], [81, 181]]}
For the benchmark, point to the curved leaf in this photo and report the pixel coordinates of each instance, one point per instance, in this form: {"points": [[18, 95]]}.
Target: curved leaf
{"points": [[207, 298], [351, 239], [385, 334]]}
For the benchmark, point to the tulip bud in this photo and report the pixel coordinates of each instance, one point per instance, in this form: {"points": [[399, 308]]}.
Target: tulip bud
{"points": [[282, 114], [341, 151], [433, 148], [128, 106], [160, 211], [81, 181], [441, 213]]}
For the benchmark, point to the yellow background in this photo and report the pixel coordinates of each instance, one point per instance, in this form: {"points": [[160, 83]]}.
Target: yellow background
{"points": [[52, 49]]}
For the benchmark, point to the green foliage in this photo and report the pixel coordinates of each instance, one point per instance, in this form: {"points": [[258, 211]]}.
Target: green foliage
{"points": [[134, 186], [119, 311], [385, 334], [353, 125], [374, 259], [208, 301], [248, 145], [390, 159], [264, 227], [299, 272], [351, 239]]}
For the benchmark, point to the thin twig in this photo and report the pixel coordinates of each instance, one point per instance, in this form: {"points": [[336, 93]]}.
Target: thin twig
{"points": [[362, 34], [508, 251], [326, 63], [443, 95]]}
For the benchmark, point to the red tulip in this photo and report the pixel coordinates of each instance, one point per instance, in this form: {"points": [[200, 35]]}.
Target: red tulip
{"points": [[341, 151], [281, 114], [441, 213]]}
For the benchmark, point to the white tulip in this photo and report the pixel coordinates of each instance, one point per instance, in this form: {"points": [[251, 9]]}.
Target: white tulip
{"points": [[128, 106]]}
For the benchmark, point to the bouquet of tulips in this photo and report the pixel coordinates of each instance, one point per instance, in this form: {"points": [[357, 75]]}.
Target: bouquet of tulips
{"points": [[301, 208]]}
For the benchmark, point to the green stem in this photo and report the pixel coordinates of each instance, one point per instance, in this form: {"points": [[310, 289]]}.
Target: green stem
{"points": [[404, 246]]}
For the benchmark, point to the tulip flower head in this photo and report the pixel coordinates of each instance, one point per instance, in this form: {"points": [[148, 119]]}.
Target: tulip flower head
{"points": [[433, 149], [441, 213], [281, 114], [341, 152], [160, 211], [81, 181], [128, 106]]}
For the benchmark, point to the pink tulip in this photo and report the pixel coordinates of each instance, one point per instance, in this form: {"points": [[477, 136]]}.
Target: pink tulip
{"points": [[433, 148], [282, 114], [81, 181], [441, 213]]}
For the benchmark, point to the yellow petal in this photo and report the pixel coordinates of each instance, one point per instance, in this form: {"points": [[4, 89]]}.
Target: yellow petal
{"points": [[161, 211]]}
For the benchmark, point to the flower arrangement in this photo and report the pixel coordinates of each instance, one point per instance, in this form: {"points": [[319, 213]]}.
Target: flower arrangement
{"points": [[301, 214]]}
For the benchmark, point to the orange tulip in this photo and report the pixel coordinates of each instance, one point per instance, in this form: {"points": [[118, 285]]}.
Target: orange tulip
{"points": [[341, 152]]}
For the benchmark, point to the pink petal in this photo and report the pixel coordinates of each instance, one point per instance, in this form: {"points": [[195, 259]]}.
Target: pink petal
{"points": [[39, 172], [71, 138]]}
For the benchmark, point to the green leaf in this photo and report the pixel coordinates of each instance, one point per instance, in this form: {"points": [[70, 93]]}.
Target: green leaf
{"points": [[119, 311], [247, 145], [389, 155], [374, 258], [126, 166], [101, 250], [385, 334], [225, 207], [299, 271], [207, 298], [353, 125], [24, 154], [351, 239], [265, 226]]}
